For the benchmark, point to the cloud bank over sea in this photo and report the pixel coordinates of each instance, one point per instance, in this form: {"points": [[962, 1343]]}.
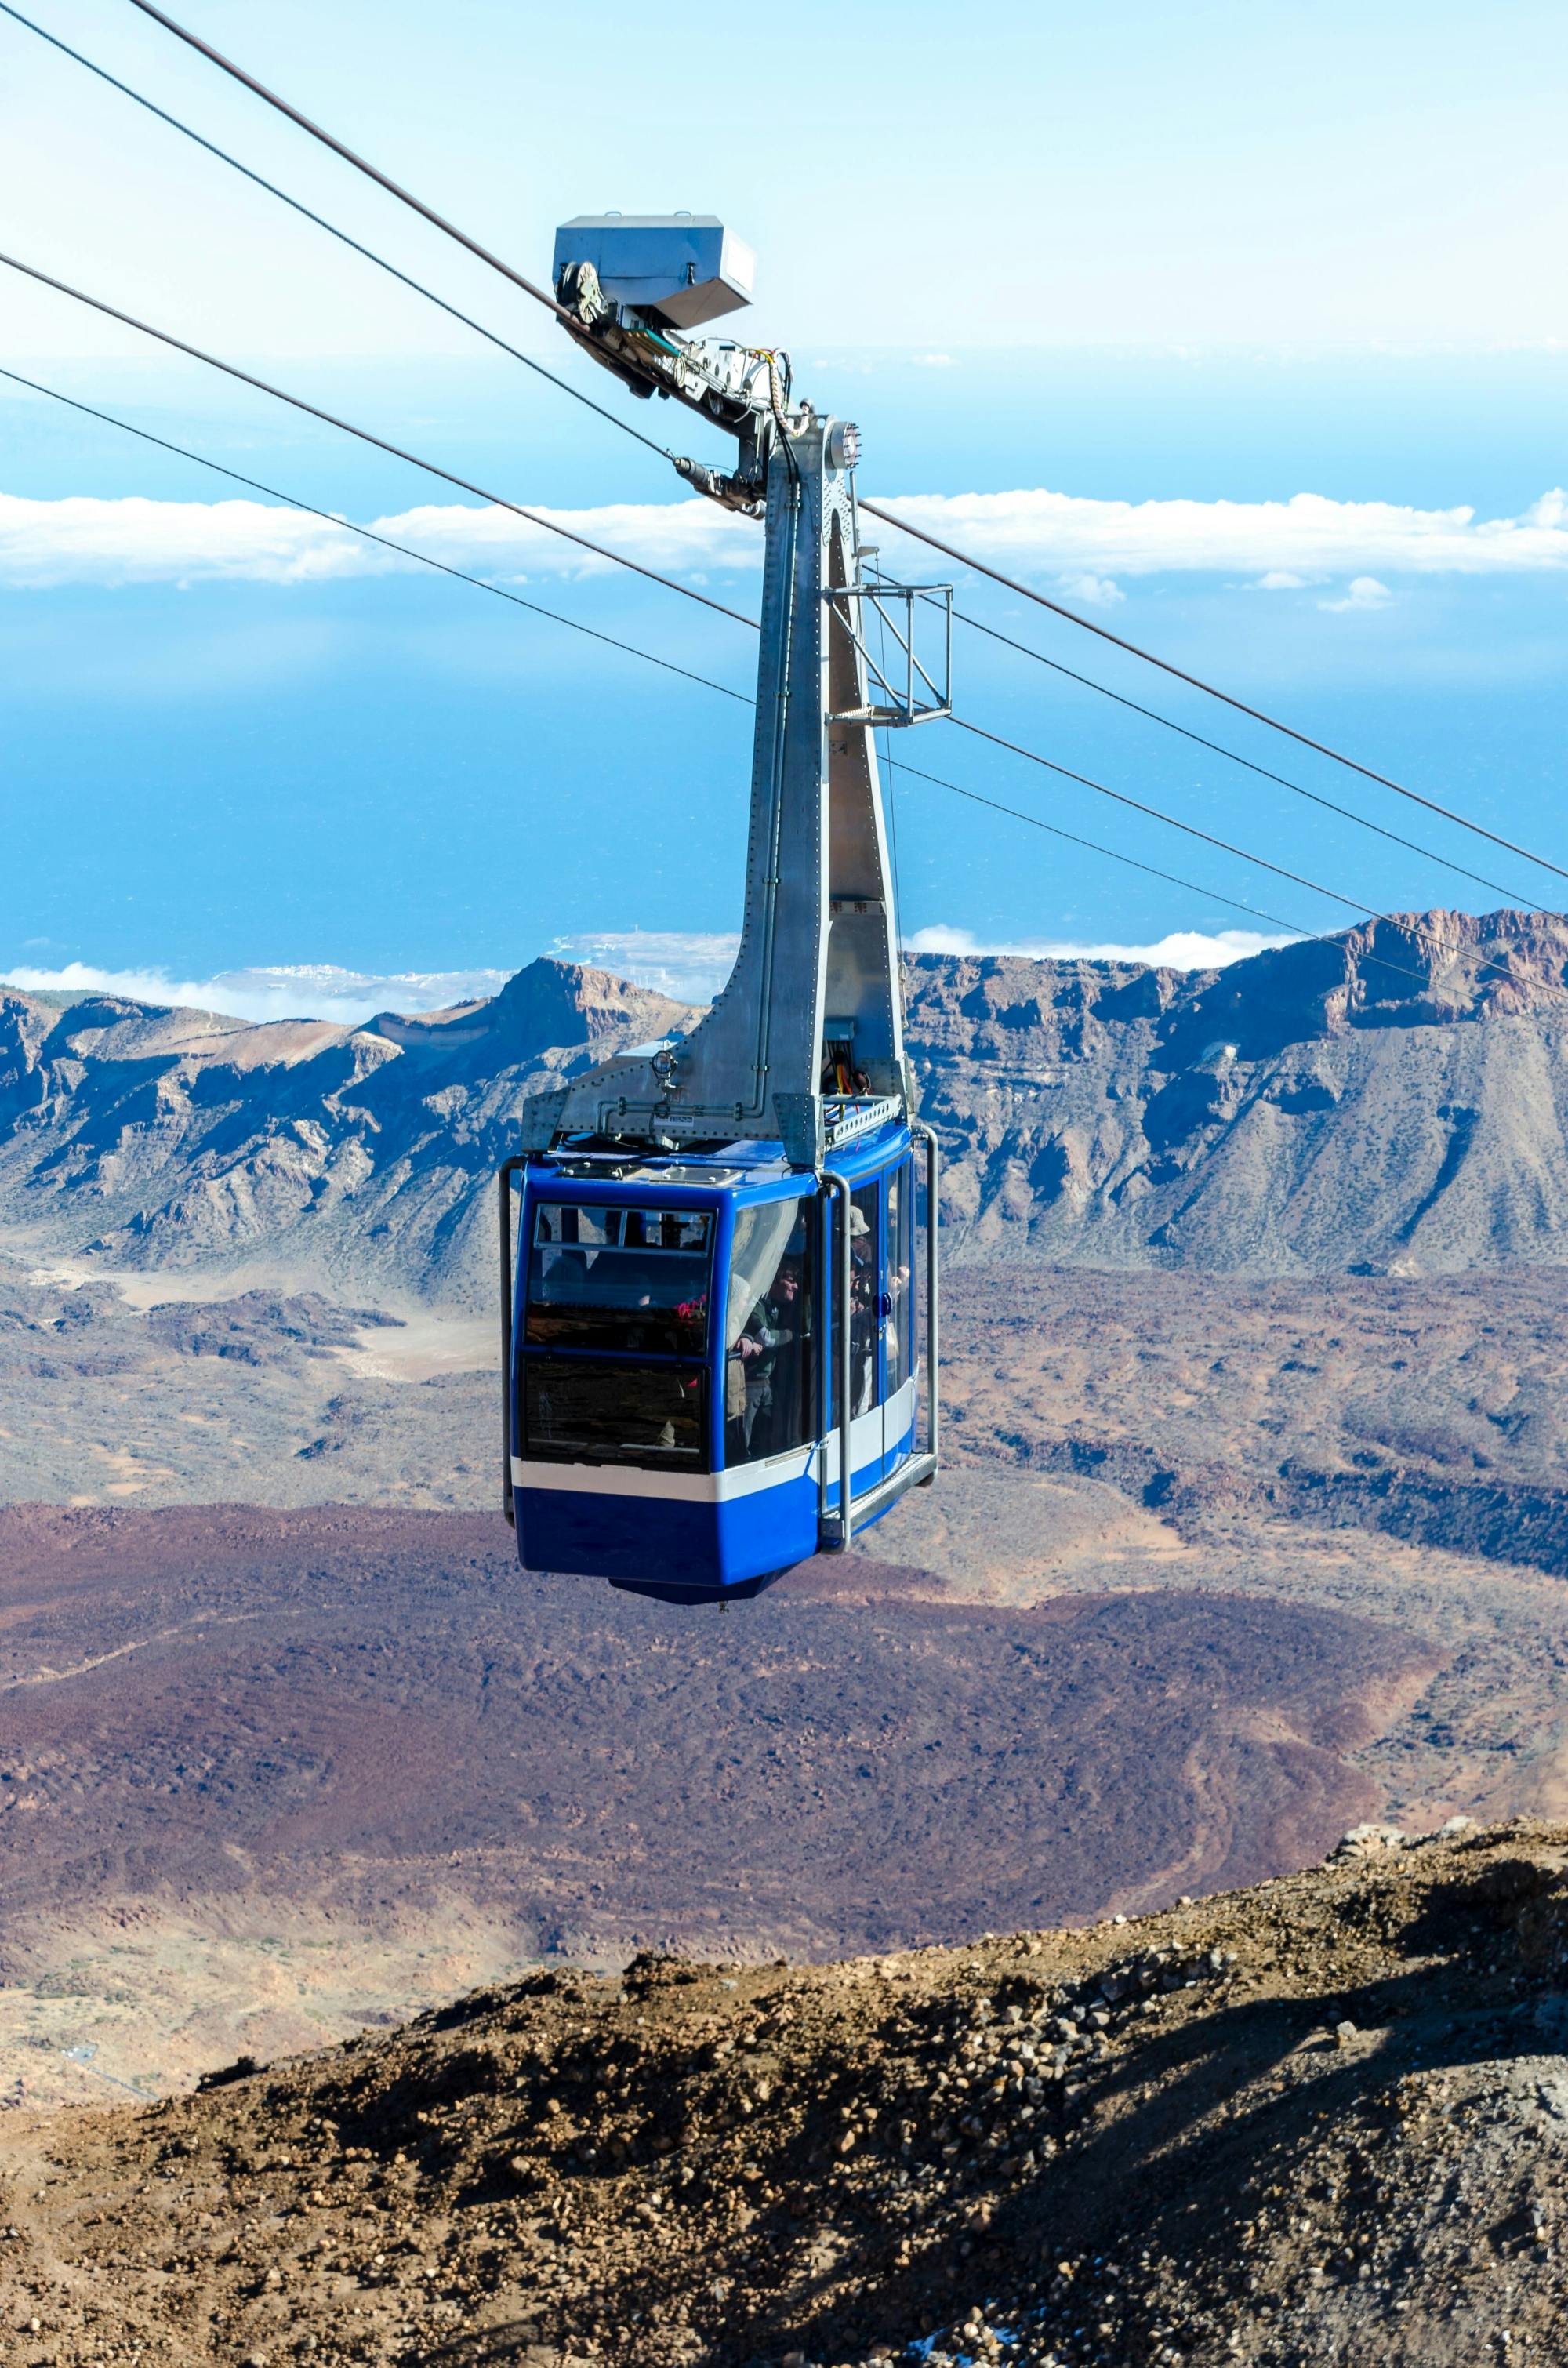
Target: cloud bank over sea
{"points": [[691, 966], [1081, 545]]}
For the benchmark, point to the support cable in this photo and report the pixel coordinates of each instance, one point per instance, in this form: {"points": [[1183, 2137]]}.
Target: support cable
{"points": [[465, 484], [670, 584], [1156, 814], [332, 232], [369, 534], [1027, 592], [459, 576], [1173, 879], [1234, 757], [1298, 879], [975, 625], [383, 180]]}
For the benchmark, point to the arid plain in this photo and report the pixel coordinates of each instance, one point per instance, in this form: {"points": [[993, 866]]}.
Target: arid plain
{"points": [[1236, 1546]]}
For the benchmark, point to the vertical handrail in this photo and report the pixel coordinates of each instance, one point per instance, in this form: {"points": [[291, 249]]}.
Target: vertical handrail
{"points": [[504, 1174], [933, 1400], [839, 1187]]}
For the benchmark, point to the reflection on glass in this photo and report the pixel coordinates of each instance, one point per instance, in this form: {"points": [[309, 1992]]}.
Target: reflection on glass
{"points": [[580, 1409], [900, 1296], [769, 1331], [627, 1278]]}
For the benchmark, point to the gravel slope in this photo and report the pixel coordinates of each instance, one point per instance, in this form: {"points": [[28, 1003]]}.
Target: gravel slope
{"points": [[1316, 2122]]}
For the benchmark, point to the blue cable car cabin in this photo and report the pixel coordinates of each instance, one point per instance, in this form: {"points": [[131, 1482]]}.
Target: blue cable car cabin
{"points": [[708, 1340], [683, 1382]]}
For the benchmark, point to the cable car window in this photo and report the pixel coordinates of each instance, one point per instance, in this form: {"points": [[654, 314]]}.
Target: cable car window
{"points": [[586, 1410], [628, 1279], [865, 1297], [866, 1301], [768, 1321], [901, 1298]]}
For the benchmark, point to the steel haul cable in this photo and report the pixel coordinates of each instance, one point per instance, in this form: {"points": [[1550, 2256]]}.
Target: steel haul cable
{"points": [[975, 625], [332, 232], [1156, 814], [465, 484], [964, 559], [458, 574], [230, 369], [1027, 592], [1233, 757], [383, 180], [369, 534]]}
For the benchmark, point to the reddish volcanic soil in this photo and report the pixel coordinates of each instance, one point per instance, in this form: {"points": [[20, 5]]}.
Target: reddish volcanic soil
{"points": [[375, 1713]]}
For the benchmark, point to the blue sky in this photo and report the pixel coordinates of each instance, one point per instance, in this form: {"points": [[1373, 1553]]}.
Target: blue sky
{"points": [[1195, 263]]}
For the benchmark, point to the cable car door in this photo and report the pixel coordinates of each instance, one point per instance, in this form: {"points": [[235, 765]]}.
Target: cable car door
{"points": [[897, 1314], [882, 1305]]}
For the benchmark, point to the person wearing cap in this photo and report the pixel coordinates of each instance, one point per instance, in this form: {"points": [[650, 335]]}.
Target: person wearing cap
{"points": [[864, 1308]]}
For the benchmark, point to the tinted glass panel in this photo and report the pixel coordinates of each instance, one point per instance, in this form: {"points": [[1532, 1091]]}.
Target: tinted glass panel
{"points": [[865, 1297], [628, 1278], [898, 1333], [585, 1411], [769, 1349], [868, 1300]]}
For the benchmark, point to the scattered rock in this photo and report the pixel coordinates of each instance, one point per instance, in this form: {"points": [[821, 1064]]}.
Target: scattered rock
{"points": [[968, 2150]]}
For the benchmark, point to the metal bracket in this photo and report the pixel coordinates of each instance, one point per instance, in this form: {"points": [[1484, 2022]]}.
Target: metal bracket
{"points": [[801, 1128], [844, 1120], [919, 697]]}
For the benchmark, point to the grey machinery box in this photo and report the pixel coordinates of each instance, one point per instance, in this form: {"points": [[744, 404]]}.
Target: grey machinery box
{"points": [[687, 268]]}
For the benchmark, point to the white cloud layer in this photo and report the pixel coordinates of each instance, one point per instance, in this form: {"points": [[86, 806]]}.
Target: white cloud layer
{"points": [[297, 991], [1181, 949], [690, 965], [1277, 546]]}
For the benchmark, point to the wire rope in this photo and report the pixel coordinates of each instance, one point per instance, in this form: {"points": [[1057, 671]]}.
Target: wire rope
{"points": [[652, 445], [246, 377], [1157, 814], [457, 574], [332, 230], [1173, 879], [451, 230], [1234, 757], [369, 534], [361, 164], [1298, 879], [1027, 592], [466, 484]]}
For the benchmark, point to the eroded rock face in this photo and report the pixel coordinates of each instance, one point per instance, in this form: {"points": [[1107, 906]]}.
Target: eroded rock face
{"points": [[1391, 1100], [1394, 1100], [178, 1139]]}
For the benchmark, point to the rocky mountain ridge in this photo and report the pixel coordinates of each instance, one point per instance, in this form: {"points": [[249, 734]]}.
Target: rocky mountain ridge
{"points": [[1394, 1099], [142, 1137]]}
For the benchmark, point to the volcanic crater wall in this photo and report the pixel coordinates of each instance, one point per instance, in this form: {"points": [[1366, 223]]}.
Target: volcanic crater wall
{"points": [[1392, 1100]]}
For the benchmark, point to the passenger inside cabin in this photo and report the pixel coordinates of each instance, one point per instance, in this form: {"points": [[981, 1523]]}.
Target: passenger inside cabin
{"points": [[769, 1357], [865, 1310]]}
